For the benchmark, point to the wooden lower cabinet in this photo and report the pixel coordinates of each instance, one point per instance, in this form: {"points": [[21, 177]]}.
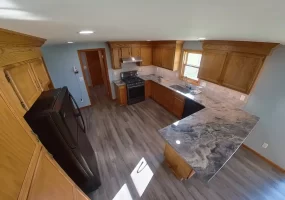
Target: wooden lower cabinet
{"points": [[178, 165], [147, 89], [167, 98], [51, 182], [121, 94], [178, 105]]}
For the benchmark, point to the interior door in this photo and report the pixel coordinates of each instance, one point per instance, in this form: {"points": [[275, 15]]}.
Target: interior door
{"points": [[49, 182], [94, 66], [41, 73], [24, 83], [105, 74], [16, 151], [211, 65], [241, 71]]}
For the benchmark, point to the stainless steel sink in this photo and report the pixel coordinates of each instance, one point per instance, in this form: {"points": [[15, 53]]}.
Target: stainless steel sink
{"points": [[180, 88]]}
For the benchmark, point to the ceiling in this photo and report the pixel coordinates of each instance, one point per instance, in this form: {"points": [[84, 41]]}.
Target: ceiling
{"points": [[59, 20]]}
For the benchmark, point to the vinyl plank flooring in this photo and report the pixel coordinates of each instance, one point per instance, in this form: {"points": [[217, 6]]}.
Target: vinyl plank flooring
{"points": [[122, 136]]}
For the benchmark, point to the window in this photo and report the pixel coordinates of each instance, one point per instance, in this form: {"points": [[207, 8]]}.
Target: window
{"points": [[191, 64]]}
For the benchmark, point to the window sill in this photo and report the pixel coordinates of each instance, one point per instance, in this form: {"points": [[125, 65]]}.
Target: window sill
{"points": [[189, 80]]}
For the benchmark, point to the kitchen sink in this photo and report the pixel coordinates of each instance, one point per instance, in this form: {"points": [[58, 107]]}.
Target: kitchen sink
{"points": [[180, 88]]}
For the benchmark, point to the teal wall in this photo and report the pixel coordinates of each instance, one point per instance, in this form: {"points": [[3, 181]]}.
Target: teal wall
{"points": [[60, 60]]}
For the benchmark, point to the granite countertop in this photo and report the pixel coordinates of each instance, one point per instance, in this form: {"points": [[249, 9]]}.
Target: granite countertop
{"points": [[119, 82], [207, 139]]}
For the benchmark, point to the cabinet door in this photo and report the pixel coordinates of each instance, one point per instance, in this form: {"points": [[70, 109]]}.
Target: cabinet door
{"points": [[241, 71], [116, 58], [125, 52], [49, 182], [40, 72], [157, 56], [16, 153], [168, 58], [178, 105], [136, 51], [147, 89], [146, 55], [121, 94], [24, 83], [80, 195], [212, 64]]}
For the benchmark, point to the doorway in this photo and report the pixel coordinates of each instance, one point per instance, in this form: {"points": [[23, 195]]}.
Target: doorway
{"points": [[95, 72]]}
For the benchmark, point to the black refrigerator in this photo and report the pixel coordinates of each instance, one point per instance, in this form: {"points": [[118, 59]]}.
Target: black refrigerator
{"points": [[57, 120]]}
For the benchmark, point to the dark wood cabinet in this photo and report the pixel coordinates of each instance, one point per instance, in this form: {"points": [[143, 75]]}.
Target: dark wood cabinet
{"points": [[147, 88]]}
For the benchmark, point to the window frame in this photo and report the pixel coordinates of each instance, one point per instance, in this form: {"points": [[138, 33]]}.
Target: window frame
{"points": [[184, 57]]}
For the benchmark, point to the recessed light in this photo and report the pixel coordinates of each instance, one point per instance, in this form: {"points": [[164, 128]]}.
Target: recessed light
{"points": [[201, 38], [69, 42], [86, 32]]}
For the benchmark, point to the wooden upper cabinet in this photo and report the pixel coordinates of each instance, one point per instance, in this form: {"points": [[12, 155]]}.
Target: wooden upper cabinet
{"points": [[212, 64], [157, 56], [241, 71], [146, 55], [136, 51], [116, 58], [125, 52], [233, 64], [168, 55], [49, 182], [16, 152], [23, 80], [41, 73]]}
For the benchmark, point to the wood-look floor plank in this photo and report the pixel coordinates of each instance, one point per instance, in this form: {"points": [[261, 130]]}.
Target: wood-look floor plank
{"points": [[122, 136]]}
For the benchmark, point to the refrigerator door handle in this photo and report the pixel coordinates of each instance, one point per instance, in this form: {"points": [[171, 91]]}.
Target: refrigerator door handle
{"points": [[78, 114]]}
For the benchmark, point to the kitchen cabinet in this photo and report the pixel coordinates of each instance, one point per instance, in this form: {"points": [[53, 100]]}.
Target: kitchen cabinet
{"points": [[241, 71], [24, 82], [146, 55], [121, 94], [157, 56], [125, 52], [116, 63], [178, 105], [233, 64], [40, 72], [167, 54], [211, 65], [46, 175], [178, 166], [20, 71], [136, 51], [147, 88], [18, 151], [168, 58], [80, 195], [163, 96]]}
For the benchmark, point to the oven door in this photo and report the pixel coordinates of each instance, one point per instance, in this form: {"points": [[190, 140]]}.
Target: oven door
{"points": [[135, 94]]}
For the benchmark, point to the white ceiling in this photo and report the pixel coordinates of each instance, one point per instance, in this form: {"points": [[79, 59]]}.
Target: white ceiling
{"points": [[59, 20]]}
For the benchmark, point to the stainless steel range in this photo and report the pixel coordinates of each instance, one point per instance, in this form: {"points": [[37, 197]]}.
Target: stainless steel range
{"points": [[135, 86]]}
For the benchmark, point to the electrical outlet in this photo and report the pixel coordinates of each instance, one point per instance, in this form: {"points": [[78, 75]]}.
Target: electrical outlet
{"points": [[242, 97], [265, 145]]}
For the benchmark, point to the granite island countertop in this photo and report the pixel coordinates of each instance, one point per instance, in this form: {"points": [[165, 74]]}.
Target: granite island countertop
{"points": [[207, 139]]}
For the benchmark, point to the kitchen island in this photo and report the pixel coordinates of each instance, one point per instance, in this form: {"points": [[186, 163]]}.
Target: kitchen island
{"points": [[203, 142]]}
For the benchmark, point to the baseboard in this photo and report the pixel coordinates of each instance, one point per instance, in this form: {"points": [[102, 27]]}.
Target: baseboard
{"points": [[265, 159]]}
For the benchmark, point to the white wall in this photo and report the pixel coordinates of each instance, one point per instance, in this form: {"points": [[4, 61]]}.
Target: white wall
{"points": [[267, 101]]}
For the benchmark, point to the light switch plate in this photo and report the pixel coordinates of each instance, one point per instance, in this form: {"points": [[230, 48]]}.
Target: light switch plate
{"points": [[265, 145]]}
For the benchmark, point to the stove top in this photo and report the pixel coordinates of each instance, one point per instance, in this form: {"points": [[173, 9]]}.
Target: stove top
{"points": [[133, 81]]}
